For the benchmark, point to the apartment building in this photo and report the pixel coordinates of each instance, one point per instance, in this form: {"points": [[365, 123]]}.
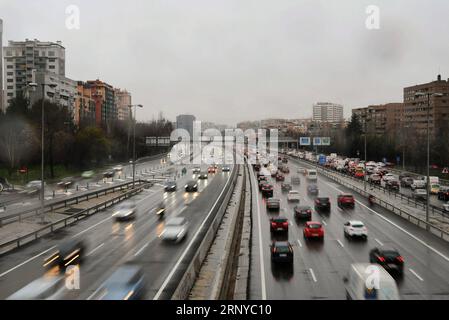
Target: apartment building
{"points": [[381, 119], [327, 112], [123, 101]]}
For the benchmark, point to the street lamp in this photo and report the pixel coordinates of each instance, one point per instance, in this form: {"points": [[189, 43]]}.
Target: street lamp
{"points": [[51, 85], [134, 140], [418, 95]]}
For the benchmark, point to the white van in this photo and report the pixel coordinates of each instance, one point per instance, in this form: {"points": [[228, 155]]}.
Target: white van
{"points": [[311, 175], [367, 281]]}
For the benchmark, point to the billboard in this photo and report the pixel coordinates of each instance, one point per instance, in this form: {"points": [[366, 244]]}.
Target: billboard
{"points": [[158, 141], [317, 141], [304, 141], [325, 141]]}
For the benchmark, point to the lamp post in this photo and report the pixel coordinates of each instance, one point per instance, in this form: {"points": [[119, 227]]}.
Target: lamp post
{"points": [[428, 94], [42, 193], [134, 140]]}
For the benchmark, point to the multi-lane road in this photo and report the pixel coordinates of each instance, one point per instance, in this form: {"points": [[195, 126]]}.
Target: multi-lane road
{"points": [[111, 243], [319, 268]]}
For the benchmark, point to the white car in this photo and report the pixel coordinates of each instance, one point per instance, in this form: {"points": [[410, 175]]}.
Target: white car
{"points": [[125, 211], [175, 229], [293, 195], [355, 228], [446, 207]]}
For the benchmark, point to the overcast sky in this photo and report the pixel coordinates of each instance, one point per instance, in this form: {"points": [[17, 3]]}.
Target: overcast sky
{"points": [[232, 60]]}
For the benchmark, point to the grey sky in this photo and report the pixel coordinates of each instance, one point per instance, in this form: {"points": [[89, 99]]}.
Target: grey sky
{"points": [[232, 60]]}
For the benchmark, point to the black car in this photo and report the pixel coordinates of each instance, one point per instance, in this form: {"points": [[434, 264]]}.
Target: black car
{"points": [[191, 186], [202, 175], [406, 182], [392, 185], [285, 187], [313, 189], [281, 252], [443, 193], [267, 190], [322, 204], [108, 174], [68, 253], [303, 213], [170, 186], [389, 259]]}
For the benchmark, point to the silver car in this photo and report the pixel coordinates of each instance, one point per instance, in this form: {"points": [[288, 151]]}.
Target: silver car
{"points": [[44, 288], [125, 211], [175, 229]]}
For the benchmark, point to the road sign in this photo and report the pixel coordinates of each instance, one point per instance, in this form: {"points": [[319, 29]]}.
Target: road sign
{"points": [[151, 141], [163, 141], [304, 141], [322, 159], [445, 170], [325, 141], [317, 141]]}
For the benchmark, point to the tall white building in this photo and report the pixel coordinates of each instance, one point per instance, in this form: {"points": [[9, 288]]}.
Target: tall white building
{"points": [[327, 112], [123, 101]]}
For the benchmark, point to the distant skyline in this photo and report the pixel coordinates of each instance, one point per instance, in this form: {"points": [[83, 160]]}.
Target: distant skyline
{"points": [[230, 61]]}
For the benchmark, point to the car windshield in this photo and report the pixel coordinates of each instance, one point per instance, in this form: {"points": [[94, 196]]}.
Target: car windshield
{"points": [[358, 225], [390, 253], [294, 192], [314, 226], [280, 220], [325, 200]]}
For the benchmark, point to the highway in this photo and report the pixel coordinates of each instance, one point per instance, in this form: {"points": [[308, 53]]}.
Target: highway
{"points": [[319, 268], [111, 243]]}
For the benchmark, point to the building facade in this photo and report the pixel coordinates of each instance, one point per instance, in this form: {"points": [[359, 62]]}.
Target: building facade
{"points": [[381, 119], [327, 112], [123, 101], [417, 111], [104, 99], [84, 105], [2, 102], [185, 121]]}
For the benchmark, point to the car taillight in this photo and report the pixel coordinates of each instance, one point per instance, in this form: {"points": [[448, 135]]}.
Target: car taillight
{"points": [[400, 259], [381, 259], [308, 211], [285, 224], [273, 224]]}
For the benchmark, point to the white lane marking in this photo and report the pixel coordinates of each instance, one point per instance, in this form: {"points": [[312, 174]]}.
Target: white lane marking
{"points": [[262, 264], [312, 274], [291, 224], [25, 262], [340, 243], [415, 274], [299, 242], [399, 227], [141, 249], [378, 241], [170, 275], [324, 222], [95, 249]]}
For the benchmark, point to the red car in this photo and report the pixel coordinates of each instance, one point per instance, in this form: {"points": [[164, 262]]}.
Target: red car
{"points": [[279, 224], [313, 229], [280, 177], [346, 200], [211, 170]]}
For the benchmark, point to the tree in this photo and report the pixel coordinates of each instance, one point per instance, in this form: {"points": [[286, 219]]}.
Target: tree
{"points": [[91, 145]]}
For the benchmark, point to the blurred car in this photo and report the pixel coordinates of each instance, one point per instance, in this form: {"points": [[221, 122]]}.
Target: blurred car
{"points": [[390, 259], [346, 201], [392, 185], [286, 187], [196, 170], [175, 229], [70, 252], [359, 286], [261, 184], [446, 207], [284, 160], [33, 187], [87, 174], [211, 169], [301, 170], [4, 184], [313, 229], [203, 175], [170, 186], [313, 189], [44, 288], [406, 182], [443, 193], [125, 211], [274, 173], [126, 283], [108, 174], [303, 213], [118, 168], [295, 180], [281, 252], [285, 169], [191, 186], [267, 190], [226, 169], [355, 228], [323, 204], [280, 177], [279, 224], [293, 195], [419, 194], [434, 188], [273, 204]]}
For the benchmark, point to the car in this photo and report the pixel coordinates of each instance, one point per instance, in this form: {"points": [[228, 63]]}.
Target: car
{"points": [[418, 184], [211, 169], [406, 182], [203, 175], [262, 178], [419, 194], [302, 170], [175, 229], [392, 185], [261, 184], [191, 186], [87, 174], [346, 201], [359, 284], [108, 174], [389, 259], [375, 178], [296, 180], [257, 167], [355, 228], [125, 211], [285, 169], [313, 189], [303, 213], [196, 170], [285, 187], [443, 193], [279, 224], [267, 190], [322, 204], [446, 207], [273, 204], [170, 186], [274, 173], [33, 185], [226, 169], [126, 283], [313, 229], [281, 252], [118, 168], [293, 195], [284, 160], [311, 175], [47, 287], [280, 177], [70, 252]]}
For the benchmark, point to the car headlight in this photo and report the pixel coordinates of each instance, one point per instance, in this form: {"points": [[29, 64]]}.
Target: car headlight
{"points": [[195, 186], [186, 186]]}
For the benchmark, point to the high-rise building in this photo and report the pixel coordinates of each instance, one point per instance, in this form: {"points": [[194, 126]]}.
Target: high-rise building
{"points": [[416, 109], [381, 119], [2, 108], [103, 96], [84, 111], [123, 101], [327, 112], [24, 59], [185, 121]]}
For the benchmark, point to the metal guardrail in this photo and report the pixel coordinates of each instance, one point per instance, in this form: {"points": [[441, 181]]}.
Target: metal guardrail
{"points": [[63, 223]]}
